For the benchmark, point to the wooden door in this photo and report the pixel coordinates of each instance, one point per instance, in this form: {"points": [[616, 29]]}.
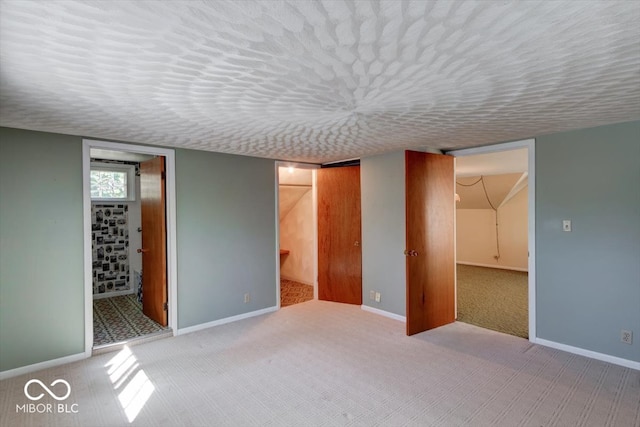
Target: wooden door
{"points": [[430, 241], [339, 235], [154, 240]]}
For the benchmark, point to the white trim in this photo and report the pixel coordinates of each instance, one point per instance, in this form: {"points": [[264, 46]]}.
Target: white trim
{"points": [[314, 204], [384, 313], [219, 322], [588, 353], [501, 267], [10, 373], [172, 264], [172, 238], [531, 194], [87, 252], [531, 201], [455, 243], [278, 256]]}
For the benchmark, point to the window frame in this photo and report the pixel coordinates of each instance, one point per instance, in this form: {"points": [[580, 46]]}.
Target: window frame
{"points": [[130, 170]]}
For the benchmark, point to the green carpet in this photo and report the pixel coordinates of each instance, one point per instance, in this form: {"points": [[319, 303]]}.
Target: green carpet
{"points": [[494, 299]]}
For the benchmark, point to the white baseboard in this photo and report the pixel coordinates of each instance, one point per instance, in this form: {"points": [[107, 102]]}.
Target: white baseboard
{"points": [[42, 365], [384, 313], [502, 267], [296, 279], [114, 294], [588, 353], [219, 322]]}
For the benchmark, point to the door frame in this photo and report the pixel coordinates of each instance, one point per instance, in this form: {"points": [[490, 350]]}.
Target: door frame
{"points": [[314, 203], [170, 189], [529, 144]]}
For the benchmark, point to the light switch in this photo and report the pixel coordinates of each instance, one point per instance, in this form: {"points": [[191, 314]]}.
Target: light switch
{"points": [[566, 225]]}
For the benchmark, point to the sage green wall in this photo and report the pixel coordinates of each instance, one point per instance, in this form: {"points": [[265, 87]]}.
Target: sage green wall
{"points": [[225, 242], [226, 235], [383, 231], [588, 280], [41, 247]]}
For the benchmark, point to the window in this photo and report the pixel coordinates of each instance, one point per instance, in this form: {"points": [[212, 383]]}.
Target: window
{"points": [[112, 182]]}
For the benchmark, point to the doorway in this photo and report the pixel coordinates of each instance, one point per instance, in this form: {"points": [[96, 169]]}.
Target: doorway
{"points": [[335, 221], [296, 234], [127, 296], [495, 241]]}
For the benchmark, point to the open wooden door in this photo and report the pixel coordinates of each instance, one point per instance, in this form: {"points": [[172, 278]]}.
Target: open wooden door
{"points": [[339, 234], [430, 241], [154, 240]]}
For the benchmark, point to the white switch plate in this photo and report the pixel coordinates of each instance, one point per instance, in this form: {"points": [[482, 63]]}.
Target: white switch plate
{"points": [[566, 225], [377, 296]]}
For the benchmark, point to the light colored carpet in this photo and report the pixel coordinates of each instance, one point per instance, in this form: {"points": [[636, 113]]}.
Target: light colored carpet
{"points": [[325, 364], [494, 299], [292, 292]]}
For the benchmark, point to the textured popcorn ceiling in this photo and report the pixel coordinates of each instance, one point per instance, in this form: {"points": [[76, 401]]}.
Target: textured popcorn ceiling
{"points": [[318, 81]]}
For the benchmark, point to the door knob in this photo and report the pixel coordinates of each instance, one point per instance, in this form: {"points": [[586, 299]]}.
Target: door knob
{"points": [[410, 252], [356, 243], [142, 251]]}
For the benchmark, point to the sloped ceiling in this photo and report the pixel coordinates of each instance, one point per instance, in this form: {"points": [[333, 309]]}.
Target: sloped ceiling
{"points": [[498, 187], [295, 176], [318, 81], [293, 185], [499, 163], [288, 198]]}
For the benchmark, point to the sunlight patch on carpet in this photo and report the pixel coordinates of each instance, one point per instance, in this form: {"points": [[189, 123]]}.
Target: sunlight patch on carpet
{"points": [[124, 368]]}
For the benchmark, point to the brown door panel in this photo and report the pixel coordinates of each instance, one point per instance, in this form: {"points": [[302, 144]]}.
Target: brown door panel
{"points": [[339, 235], [430, 241], [154, 240]]}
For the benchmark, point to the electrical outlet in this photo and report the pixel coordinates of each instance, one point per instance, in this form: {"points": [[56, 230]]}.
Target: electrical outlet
{"points": [[566, 225], [377, 296], [372, 295], [626, 336], [246, 298]]}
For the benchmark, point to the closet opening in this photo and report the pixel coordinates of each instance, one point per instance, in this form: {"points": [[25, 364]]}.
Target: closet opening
{"points": [[297, 228]]}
